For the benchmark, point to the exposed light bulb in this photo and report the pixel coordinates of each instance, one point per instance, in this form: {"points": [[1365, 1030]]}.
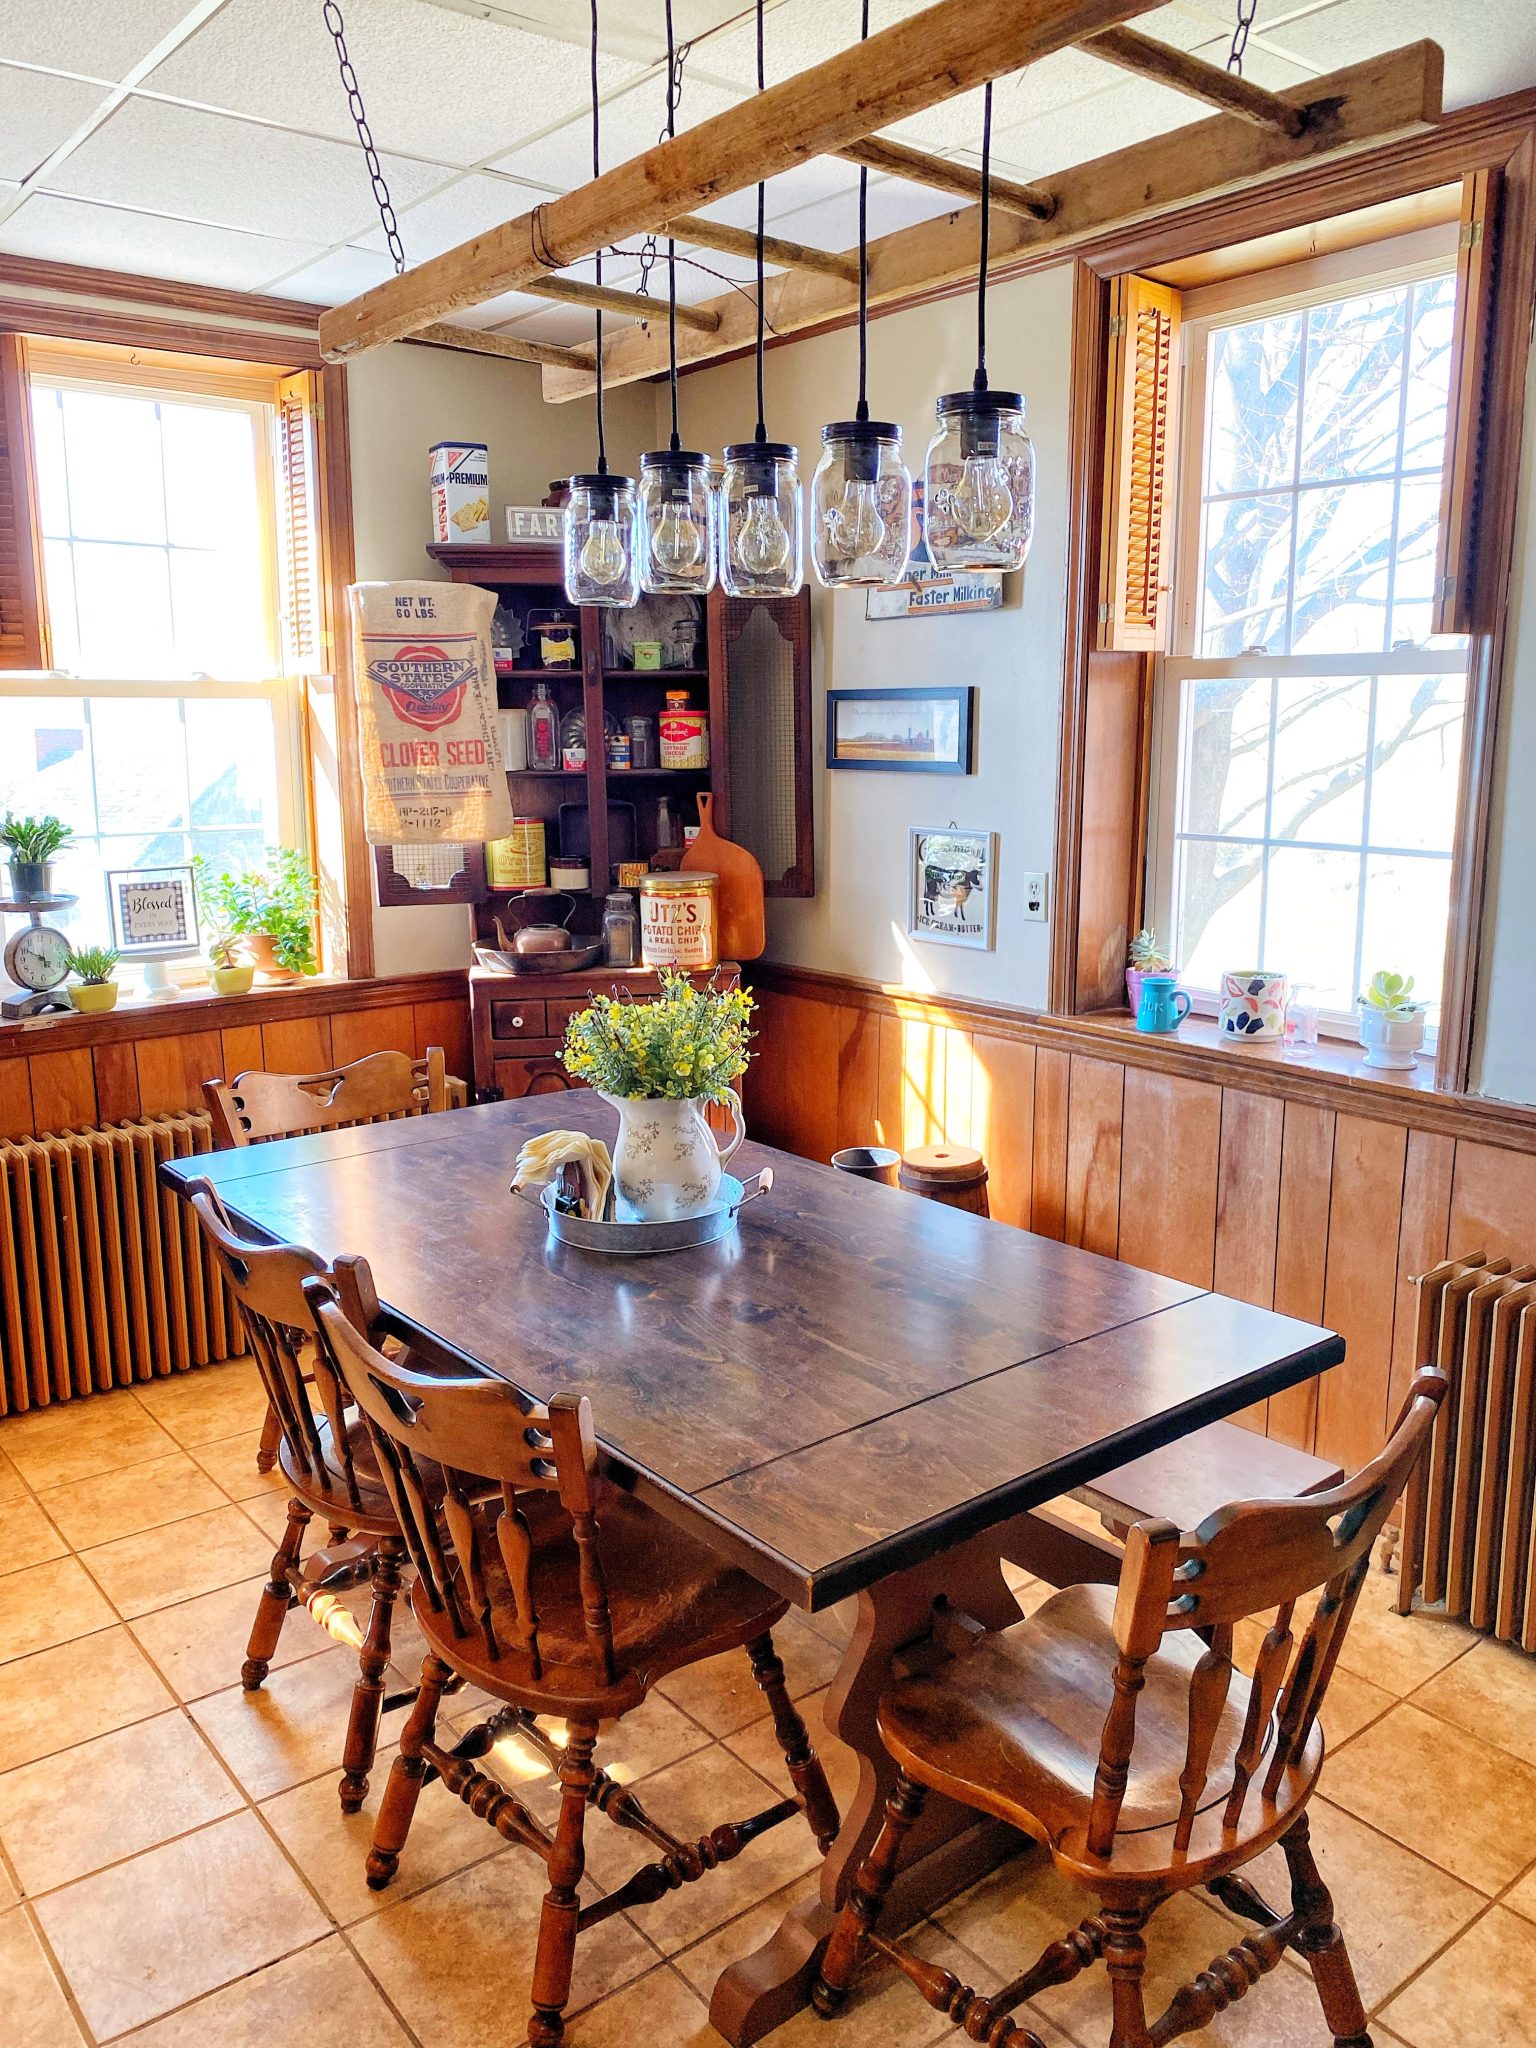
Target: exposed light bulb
{"points": [[982, 501], [854, 525], [677, 542], [604, 558], [762, 543]]}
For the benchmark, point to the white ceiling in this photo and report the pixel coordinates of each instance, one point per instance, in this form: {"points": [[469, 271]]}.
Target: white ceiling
{"points": [[209, 140]]}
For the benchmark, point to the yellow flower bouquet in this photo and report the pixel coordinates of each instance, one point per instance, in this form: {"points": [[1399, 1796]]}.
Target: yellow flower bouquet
{"points": [[686, 1044]]}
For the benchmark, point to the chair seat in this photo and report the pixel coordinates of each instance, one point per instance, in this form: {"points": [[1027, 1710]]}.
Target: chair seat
{"points": [[1013, 1727], [672, 1601], [372, 1514], [1189, 1479]]}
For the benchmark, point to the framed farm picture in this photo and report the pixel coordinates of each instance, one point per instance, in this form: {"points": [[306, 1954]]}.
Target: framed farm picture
{"points": [[910, 732], [952, 885]]}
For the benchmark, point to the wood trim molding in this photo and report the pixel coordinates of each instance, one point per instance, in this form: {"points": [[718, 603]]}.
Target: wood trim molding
{"points": [[200, 1011], [40, 274], [1346, 1086], [62, 321], [338, 569]]}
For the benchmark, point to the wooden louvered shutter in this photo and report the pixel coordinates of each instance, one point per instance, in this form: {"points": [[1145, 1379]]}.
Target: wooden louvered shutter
{"points": [[23, 610], [298, 523], [1140, 453], [1456, 606]]}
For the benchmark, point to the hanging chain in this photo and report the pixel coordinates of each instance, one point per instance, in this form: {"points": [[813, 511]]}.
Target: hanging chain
{"points": [[1246, 10], [650, 248], [337, 29]]}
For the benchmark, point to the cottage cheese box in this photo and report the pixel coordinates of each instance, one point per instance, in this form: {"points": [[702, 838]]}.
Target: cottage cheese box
{"points": [[461, 491]]}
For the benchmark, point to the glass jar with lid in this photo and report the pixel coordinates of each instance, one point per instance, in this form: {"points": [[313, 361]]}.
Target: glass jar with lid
{"points": [[621, 930], [979, 500], [600, 531], [762, 552], [861, 505]]}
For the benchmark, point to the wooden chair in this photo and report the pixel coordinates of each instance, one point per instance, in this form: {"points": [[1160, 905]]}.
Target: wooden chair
{"points": [[1106, 1727], [558, 1594], [257, 1106], [327, 1459]]}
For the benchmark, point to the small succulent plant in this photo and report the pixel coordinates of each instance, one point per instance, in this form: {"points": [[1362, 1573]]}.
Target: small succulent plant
{"points": [[1391, 995], [92, 964], [34, 841], [1148, 955]]}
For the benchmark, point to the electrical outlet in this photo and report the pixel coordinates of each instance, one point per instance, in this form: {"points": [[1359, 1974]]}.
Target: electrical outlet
{"points": [[1036, 897]]}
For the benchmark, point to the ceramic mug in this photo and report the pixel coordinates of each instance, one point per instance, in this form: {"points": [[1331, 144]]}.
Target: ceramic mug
{"points": [[1163, 1005], [1253, 1004]]}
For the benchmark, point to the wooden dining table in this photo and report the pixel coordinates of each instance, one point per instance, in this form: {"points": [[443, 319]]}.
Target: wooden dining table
{"points": [[855, 1392]]}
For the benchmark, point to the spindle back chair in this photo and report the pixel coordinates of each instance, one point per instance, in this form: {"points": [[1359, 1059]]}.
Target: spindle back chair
{"points": [[257, 1105], [547, 1586], [1109, 1726], [328, 1462]]}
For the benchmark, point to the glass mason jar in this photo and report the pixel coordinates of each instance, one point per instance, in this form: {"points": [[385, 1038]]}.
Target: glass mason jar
{"points": [[979, 501], [761, 521], [677, 527], [600, 528], [861, 505]]}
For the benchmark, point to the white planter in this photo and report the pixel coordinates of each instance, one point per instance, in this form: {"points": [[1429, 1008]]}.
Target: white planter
{"points": [[667, 1161], [1390, 1041]]}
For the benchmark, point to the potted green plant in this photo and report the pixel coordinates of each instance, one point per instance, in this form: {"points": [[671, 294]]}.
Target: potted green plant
{"points": [[32, 844], [1147, 956], [94, 988], [231, 977], [1391, 1023], [264, 917]]}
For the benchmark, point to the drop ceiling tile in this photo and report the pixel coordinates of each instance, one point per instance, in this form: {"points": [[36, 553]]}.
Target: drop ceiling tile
{"points": [[37, 113], [1128, 113], [329, 280], [571, 324], [436, 82], [465, 208], [797, 35], [236, 174], [639, 29], [502, 311], [1489, 50], [893, 203], [631, 122], [110, 238], [101, 38], [808, 184]]}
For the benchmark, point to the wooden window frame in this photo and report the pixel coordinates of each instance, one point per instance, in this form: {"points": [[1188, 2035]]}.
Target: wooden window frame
{"points": [[1106, 707], [220, 326]]}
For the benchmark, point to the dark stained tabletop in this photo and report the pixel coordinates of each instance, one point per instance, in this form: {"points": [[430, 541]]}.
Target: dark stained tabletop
{"points": [[850, 1378]]}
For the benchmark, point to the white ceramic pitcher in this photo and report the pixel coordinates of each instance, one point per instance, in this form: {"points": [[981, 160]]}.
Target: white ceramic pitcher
{"points": [[667, 1161]]}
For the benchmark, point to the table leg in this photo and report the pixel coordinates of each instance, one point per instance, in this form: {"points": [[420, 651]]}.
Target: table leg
{"points": [[950, 1846]]}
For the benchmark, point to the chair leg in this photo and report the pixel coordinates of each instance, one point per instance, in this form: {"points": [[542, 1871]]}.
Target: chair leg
{"points": [[276, 1599], [372, 1662], [556, 1954], [805, 1768], [1322, 1942], [271, 1437], [862, 1911], [407, 1776], [1125, 1955]]}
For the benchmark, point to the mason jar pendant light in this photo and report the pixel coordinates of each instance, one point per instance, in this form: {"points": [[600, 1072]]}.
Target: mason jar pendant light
{"points": [[600, 525], [677, 526], [861, 495], [764, 537], [979, 497]]}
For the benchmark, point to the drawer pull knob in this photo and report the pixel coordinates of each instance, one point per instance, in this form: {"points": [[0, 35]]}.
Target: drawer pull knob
{"points": [[517, 1023]]}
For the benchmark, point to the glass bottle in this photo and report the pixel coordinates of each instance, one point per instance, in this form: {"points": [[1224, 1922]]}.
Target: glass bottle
{"points": [[666, 830], [979, 504], [861, 518], [573, 741], [621, 930], [761, 521], [543, 730]]}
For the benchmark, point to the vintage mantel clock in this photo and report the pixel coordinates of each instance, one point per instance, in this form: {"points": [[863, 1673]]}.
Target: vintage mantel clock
{"points": [[36, 961]]}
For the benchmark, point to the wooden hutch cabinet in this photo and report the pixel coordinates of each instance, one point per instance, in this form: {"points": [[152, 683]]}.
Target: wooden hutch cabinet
{"points": [[751, 671]]}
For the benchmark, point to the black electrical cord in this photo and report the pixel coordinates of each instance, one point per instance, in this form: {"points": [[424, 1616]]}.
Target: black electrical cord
{"points": [[597, 170], [861, 411], [672, 89], [979, 381], [761, 434]]}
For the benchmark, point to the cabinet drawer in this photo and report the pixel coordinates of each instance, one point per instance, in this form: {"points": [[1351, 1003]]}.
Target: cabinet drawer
{"points": [[545, 1076], [558, 1015], [517, 1020]]}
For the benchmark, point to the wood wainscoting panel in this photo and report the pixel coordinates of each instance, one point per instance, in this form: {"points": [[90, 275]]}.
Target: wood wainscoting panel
{"points": [[1094, 1109], [172, 1071], [361, 1032], [1422, 1243], [117, 1083], [1493, 1203], [63, 1090], [1003, 1122], [1248, 1207], [1301, 1251], [445, 1024], [1360, 1294], [242, 1049], [15, 1100], [1048, 1201], [297, 1045], [1171, 1153], [858, 1079]]}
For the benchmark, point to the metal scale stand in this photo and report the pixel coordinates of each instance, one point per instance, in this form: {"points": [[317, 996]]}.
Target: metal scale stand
{"points": [[17, 1001]]}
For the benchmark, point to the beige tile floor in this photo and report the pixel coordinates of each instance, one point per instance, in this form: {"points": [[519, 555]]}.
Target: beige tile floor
{"points": [[175, 1870]]}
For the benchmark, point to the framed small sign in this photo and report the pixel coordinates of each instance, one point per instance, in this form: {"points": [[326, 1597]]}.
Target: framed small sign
{"points": [[533, 522], [154, 910], [926, 589], [952, 884], [911, 732]]}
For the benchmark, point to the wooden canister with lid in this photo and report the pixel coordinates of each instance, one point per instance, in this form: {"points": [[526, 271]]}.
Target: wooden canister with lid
{"points": [[953, 1174], [678, 927]]}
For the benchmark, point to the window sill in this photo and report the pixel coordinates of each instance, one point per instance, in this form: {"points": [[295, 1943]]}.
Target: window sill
{"points": [[1339, 1059], [204, 1009]]}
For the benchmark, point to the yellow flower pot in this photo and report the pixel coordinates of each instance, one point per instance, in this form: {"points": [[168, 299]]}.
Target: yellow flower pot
{"points": [[233, 981], [92, 997]]}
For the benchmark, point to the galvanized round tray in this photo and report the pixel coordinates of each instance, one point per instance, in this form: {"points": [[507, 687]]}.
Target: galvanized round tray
{"points": [[632, 1239]]}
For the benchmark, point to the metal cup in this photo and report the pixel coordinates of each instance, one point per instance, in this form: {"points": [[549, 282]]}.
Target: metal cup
{"points": [[869, 1162]]}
